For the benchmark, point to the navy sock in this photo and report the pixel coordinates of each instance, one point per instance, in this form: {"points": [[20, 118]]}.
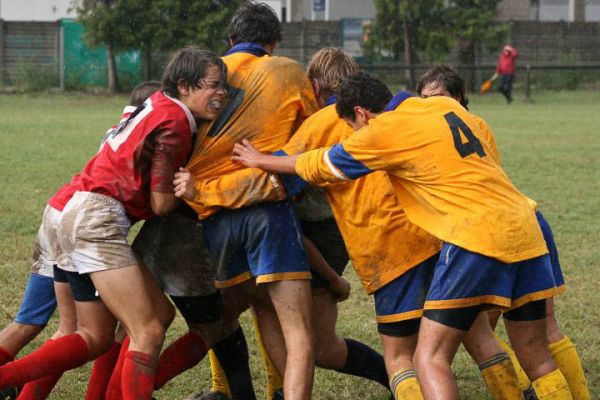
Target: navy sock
{"points": [[365, 362], [232, 353]]}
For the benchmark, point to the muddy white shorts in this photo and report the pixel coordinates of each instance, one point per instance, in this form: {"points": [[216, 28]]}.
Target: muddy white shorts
{"points": [[93, 231]]}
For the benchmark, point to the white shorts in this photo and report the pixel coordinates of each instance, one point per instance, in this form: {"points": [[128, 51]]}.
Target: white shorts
{"points": [[93, 231], [47, 251]]}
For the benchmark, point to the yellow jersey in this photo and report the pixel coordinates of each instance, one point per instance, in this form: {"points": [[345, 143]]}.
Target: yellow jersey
{"points": [[269, 97], [442, 174]]}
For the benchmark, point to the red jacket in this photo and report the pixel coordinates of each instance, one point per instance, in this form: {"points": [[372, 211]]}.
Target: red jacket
{"points": [[506, 61]]}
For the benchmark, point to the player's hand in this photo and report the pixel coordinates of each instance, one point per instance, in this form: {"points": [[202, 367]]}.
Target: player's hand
{"points": [[340, 289], [247, 154], [184, 184]]}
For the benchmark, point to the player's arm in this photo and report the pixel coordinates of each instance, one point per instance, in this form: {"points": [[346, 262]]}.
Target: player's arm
{"points": [[163, 203], [338, 285]]}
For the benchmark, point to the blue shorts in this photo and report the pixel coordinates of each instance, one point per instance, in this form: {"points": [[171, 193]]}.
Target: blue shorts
{"points": [[466, 279], [263, 241], [39, 301], [403, 298], [552, 252]]}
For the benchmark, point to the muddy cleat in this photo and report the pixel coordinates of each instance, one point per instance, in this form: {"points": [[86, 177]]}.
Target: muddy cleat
{"points": [[210, 396], [278, 395]]}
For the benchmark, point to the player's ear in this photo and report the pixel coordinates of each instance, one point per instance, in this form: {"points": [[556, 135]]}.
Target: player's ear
{"points": [[360, 114]]}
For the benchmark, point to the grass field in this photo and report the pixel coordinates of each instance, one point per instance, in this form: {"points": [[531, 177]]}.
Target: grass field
{"points": [[550, 148]]}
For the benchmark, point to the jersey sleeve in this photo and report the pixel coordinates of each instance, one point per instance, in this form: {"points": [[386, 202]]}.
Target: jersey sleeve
{"points": [[171, 150], [359, 155], [238, 189]]}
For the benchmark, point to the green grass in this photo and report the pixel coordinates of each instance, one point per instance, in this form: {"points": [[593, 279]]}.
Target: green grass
{"points": [[550, 149]]}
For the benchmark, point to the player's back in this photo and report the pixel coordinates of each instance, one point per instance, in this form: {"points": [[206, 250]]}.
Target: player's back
{"points": [[441, 161], [381, 241], [268, 98]]}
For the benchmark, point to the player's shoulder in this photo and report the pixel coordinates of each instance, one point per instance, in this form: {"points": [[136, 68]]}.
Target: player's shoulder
{"points": [[166, 109], [282, 65]]}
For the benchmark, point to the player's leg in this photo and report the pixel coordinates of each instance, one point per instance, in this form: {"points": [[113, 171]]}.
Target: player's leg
{"points": [[145, 329], [345, 355], [95, 328], [561, 348], [440, 334], [274, 378], [41, 388], [399, 340], [37, 306], [526, 328], [495, 365], [104, 366], [292, 302]]}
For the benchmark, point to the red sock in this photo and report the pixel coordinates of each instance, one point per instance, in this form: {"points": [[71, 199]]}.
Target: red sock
{"points": [[101, 373], [181, 355], [40, 388], [5, 356], [113, 391], [54, 357], [139, 370]]}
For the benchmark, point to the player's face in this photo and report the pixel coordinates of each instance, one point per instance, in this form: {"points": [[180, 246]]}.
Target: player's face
{"points": [[205, 102]]}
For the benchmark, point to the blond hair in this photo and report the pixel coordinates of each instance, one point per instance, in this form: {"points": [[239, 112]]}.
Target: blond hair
{"points": [[329, 67]]}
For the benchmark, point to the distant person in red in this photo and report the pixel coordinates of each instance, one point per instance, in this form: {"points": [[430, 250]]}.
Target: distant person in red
{"points": [[506, 70]]}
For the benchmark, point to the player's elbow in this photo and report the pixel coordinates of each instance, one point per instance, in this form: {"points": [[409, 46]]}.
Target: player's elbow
{"points": [[163, 203]]}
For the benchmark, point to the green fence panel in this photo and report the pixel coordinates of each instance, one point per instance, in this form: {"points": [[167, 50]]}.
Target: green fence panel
{"points": [[85, 66]]}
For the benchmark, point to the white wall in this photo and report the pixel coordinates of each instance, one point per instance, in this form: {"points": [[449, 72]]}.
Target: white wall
{"points": [[35, 10]]}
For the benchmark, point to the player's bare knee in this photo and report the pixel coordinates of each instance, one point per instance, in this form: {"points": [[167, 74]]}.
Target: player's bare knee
{"points": [[149, 337], [26, 331], [98, 341]]}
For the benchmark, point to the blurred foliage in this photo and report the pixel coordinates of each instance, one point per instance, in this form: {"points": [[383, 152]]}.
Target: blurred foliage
{"points": [[426, 26], [433, 27], [155, 25], [30, 77]]}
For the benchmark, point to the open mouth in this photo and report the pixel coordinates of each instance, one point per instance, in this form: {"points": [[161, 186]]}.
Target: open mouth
{"points": [[215, 105]]}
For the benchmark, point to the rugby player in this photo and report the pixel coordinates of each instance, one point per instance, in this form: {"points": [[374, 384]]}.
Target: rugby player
{"points": [[326, 70], [108, 195], [442, 80], [393, 273], [39, 299], [441, 180], [269, 98]]}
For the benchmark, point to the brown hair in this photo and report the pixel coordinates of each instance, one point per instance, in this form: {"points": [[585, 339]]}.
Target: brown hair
{"points": [[330, 66], [141, 92]]}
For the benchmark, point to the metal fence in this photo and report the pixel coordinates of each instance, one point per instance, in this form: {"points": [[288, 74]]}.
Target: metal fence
{"points": [[529, 77]]}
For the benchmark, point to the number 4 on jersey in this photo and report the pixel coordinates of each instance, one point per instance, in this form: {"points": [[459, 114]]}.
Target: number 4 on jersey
{"points": [[472, 145]]}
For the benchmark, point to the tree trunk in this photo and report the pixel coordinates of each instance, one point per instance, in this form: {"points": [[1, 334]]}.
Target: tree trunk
{"points": [[466, 58], [112, 70], [408, 59], [146, 63]]}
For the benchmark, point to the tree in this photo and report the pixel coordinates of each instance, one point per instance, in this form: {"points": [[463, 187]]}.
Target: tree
{"points": [[474, 26], [101, 28], [152, 25], [406, 28]]}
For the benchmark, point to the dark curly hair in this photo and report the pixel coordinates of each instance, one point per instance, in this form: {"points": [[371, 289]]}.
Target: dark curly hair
{"points": [[188, 66], [445, 77], [364, 90], [256, 23]]}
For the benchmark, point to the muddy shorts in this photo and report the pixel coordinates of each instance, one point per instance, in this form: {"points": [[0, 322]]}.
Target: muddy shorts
{"points": [[47, 251], [173, 249], [93, 232]]}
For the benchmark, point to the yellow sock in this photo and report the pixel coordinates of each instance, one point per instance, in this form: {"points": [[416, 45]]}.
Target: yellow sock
{"points": [[500, 378], [274, 381], [566, 358], [405, 385], [218, 379], [552, 386], [524, 382]]}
